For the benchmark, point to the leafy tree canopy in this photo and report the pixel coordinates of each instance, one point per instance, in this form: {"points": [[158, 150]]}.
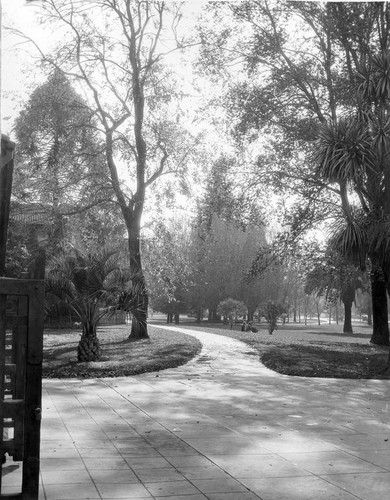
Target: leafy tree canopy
{"points": [[59, 157]]}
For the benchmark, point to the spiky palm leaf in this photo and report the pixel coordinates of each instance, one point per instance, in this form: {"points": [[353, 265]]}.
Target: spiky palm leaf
{"points": [[89, 285], [351, 240], [381, 70], [84, 282], [129, 299], [380, 129], [374, 78], [344, 152]]}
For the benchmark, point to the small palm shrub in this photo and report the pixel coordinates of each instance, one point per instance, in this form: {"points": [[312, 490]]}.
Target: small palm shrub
{"points": [[89, 286]]}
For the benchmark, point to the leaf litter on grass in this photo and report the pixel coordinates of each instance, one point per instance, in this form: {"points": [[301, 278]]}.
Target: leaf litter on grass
{"points": [[119, 358]]}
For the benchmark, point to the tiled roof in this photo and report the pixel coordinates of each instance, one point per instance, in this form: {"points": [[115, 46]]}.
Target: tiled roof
{"points": [[32, 213]]}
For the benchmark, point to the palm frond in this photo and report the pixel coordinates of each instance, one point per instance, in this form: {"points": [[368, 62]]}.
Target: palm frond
{"points": [[374, 78], [344, 151], [352, 241], [88, 284]]}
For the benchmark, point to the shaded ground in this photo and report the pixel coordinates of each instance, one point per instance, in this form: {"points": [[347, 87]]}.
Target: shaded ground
{"points": [[321, 359], [119, 357], [312, 351]]}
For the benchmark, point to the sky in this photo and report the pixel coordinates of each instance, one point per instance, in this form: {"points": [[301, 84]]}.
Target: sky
{"points": [[20, 73]]}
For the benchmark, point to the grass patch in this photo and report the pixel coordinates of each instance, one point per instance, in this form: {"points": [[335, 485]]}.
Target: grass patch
{"points": [[312, 351], [119, 357]]}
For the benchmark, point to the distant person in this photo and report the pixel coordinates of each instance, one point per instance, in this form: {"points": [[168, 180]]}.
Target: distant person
{"points": [[252, 328]]}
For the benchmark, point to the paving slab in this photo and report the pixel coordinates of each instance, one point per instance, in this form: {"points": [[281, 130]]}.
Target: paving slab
{"points": [[221, 427]]}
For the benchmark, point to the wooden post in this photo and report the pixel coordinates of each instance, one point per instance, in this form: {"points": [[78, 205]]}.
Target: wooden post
{"points": [[6, 171], [33, 396]]}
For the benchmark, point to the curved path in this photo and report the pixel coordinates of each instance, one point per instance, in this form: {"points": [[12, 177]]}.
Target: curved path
{"points": [[220, 427]]}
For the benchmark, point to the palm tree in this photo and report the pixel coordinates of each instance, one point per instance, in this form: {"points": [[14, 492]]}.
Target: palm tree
{"points": [[354, 152], [334, 277], [89, 285]]}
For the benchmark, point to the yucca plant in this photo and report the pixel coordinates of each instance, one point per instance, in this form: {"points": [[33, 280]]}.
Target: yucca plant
{"points": [[89, 285], [354, 152], [350, 238], [344, 151]]}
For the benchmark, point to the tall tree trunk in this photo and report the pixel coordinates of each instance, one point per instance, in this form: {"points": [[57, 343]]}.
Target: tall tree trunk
{"points": [[251, 314], [6, 173], [139, 327], [132, 213], [380, 333], [295, 314], [387, 369], [347, 328], [213, 316], [369, 313], [347, 298]]}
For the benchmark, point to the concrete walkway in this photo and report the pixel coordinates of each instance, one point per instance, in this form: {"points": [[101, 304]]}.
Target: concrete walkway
{"points": [[221, 427]]}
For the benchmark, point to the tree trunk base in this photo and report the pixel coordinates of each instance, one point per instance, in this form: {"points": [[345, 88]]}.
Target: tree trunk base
{"points": [[379, 340], [136, 339], [139, 329], [88, 349], [386, 370], [380, 333]]}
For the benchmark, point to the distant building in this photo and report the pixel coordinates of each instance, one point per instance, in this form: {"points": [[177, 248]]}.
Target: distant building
{"points": [[37, 220]]}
